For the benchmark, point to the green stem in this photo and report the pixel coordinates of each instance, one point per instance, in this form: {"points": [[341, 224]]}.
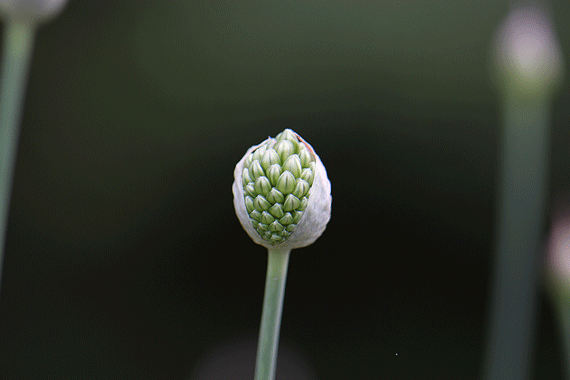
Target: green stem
{"points": [[520, 224], [277, 263], [17, 50]]}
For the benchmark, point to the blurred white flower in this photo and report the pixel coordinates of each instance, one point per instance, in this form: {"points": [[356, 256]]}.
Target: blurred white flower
{"points": [[235, 360], [527, 57], [31, 10], [558, 254]]}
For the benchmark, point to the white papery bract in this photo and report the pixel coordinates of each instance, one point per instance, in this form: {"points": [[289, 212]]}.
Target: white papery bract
{"points": [[282, 195]]}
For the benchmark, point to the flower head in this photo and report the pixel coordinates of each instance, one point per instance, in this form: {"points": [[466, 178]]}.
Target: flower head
{"points": [[282, 195]]}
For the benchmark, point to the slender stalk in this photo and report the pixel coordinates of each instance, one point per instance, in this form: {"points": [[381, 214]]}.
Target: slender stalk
{"points": [[277, 263], [520, 226], [17, 50]]}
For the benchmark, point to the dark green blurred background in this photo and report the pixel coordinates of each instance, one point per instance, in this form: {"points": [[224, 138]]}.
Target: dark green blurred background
{"points": [[124, 257]]}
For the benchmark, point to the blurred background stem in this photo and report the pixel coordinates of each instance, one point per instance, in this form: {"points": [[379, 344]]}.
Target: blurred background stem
{"points": [[562, 308], [277, 263], [520, 223], [17, 50]]}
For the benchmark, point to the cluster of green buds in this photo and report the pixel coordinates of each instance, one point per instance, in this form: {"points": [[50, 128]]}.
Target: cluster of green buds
{"points": [[282, 193], [276, 181]]}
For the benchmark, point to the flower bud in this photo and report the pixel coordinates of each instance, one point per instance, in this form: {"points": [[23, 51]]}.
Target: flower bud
{"points": [[282, 195]]}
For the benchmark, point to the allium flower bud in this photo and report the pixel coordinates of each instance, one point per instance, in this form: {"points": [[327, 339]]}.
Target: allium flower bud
{"points": [[282, 194]]}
